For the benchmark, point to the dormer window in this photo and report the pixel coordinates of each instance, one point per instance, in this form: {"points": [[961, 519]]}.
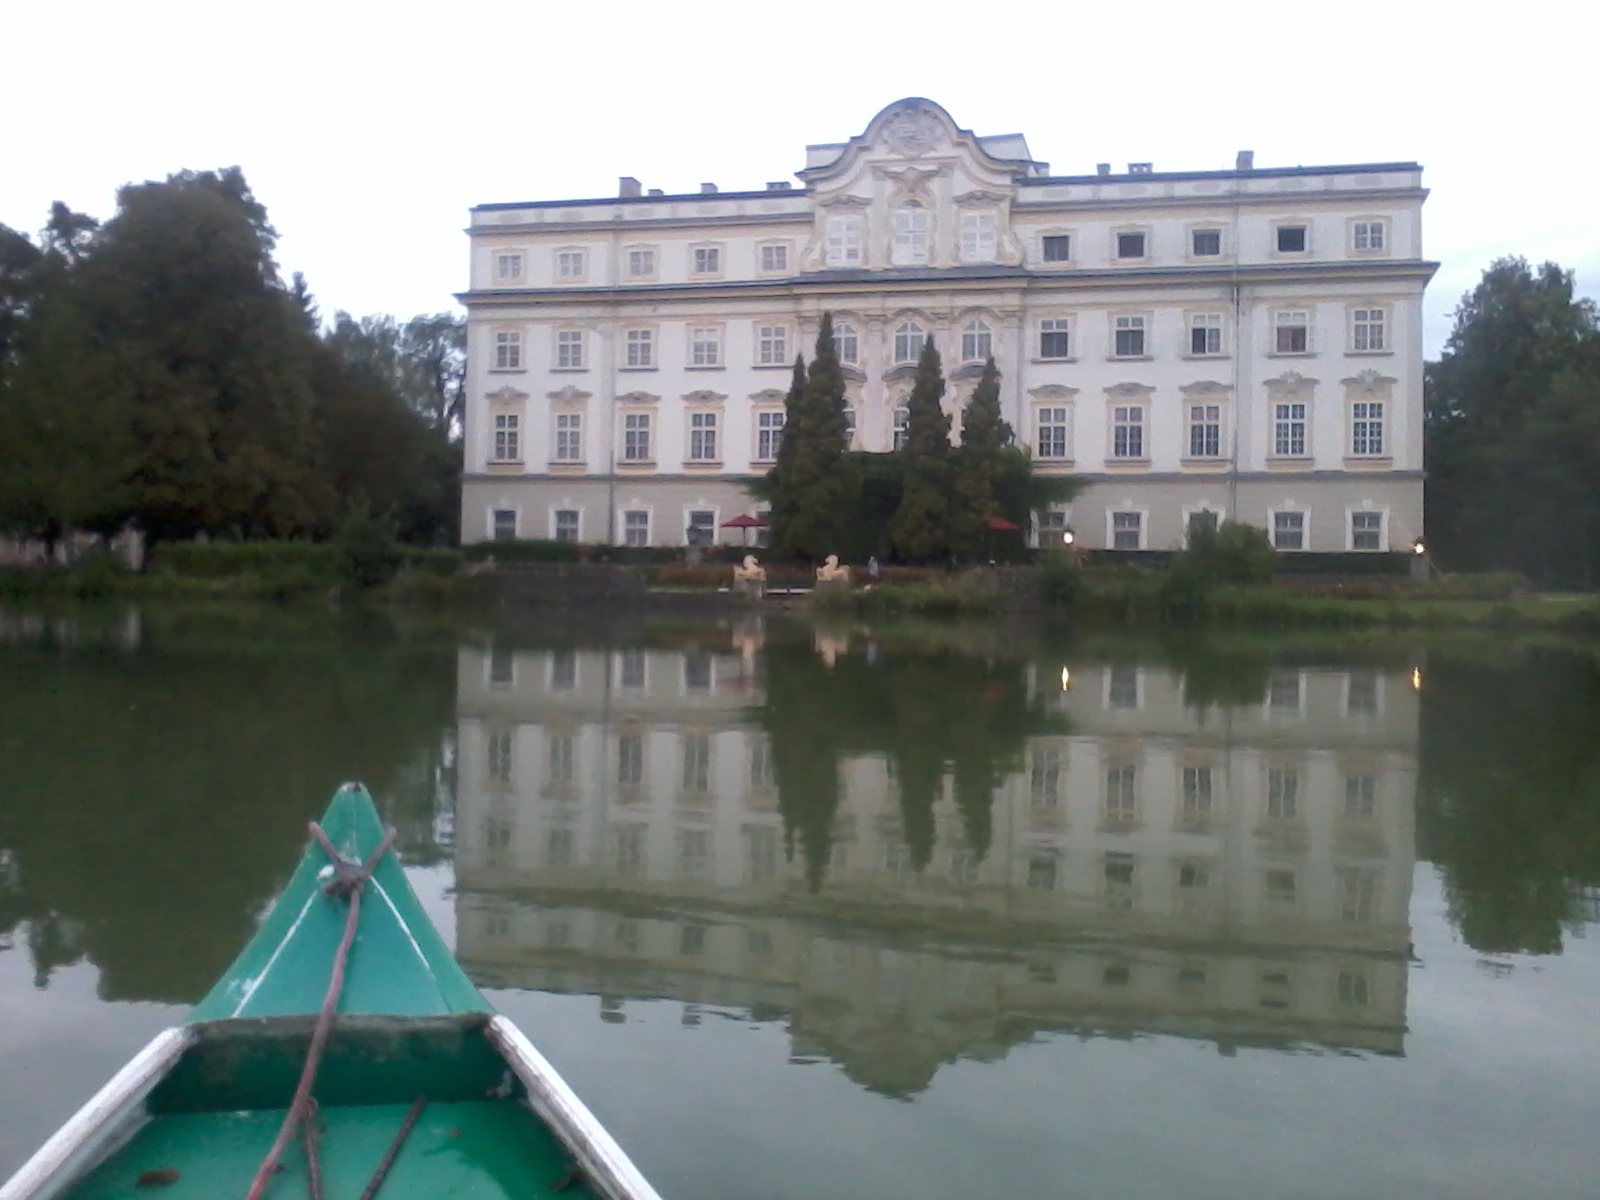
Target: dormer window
{"points": [[844, 240], [911, 236], [979, 237]]}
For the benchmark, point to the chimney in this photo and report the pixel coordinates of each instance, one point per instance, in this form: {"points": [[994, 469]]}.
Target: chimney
{"points": [[708, 189], [1246, 161], [656, 192], [1140, 168], [628, 188], [1102, 168], [780, 185]]}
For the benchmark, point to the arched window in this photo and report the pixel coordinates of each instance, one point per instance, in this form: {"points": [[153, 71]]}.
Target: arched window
{"points": [[908, 341], [911, 226], [902, 426], [977, 342], [847, 343]]}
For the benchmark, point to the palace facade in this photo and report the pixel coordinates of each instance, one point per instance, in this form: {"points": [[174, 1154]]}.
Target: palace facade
{"points": [[1195, 345]]}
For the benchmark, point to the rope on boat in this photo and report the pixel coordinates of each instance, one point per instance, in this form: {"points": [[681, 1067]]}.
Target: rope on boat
{"points": [[349, 880], [382, 1172], [311, 1133]]}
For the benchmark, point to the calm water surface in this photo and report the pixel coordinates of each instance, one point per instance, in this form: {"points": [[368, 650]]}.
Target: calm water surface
{"points": [[893, 913]]}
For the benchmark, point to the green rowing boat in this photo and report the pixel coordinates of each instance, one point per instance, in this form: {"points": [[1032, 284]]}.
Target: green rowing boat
{"points": [[344, 1054]]}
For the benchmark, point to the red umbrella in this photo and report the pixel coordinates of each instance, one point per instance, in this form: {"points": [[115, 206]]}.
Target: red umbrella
{"points": [[746, 523], [1000, 523]]}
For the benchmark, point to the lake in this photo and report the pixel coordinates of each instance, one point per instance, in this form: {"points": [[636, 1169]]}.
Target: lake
{"points": [[900, 911]]}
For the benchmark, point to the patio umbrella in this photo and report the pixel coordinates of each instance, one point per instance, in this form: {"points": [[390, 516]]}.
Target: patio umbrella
{"points": [[746, 523], [1001, 523]]}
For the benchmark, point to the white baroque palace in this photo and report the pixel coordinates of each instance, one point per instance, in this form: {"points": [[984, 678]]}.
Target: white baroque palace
{"points": [[1195, 345]]}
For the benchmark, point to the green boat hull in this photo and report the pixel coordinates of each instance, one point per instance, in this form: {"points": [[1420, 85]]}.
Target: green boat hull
{"points": [[197, 1112]]}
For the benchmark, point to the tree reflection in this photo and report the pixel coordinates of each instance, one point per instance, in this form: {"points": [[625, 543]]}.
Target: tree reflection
{"points": [[1509, 797], [931, 715]]}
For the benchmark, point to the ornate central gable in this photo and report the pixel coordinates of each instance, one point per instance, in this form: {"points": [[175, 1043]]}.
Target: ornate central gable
{"points": [[913, 191]]}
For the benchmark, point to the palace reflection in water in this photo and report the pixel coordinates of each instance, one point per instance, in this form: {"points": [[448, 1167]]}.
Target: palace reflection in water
{"points": [[640, 823]]}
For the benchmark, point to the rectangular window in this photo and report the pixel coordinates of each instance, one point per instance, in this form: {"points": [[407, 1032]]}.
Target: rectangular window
{"points": [[697, 671], [1057, 247], [977, 342], [696, 763], [1361, 791], [1127, 531], [705, 347], [1284, 691], [1127, 431], [563, 670], [1358, 894], [507, 351], [1292, 332], [1366, 531], [1366, 330], [1130, 245], [1052, 527], [631, 670], [769, 435], [569, 350], [707, 260], [507, 437], [569, 437], [1122, 797], [566, 524], [1055, 338], [1118, 872], [1042, 872], [569, 264], [774, 258], [636, 437], [979, 239], [1366, 427], [1129, 337], [1205, 243], [911, 235], [640, 348], [1288, 531], [630, 755], [507, 267], [1045, 778], [1369, 235], [1205, 333], [1361, 694], [703, 437], [846, 343], [636, 528], [702, 529], [1283, 794], [1053, 427], [844, 240], [1197, 795], [641, 263], [503, 527], [558, 755], [1291, 239], [1205, 431], [1289, 430], [772, 345]]}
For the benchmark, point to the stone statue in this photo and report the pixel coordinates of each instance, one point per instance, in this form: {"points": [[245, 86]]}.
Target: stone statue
{"points": [[830, 573], [750, 578]]}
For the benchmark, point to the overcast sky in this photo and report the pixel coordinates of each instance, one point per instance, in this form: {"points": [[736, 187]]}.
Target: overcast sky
{"points": [[369, 129]]}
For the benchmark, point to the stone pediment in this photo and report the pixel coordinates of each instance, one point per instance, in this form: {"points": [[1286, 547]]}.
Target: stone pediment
{"points": [[568, 395], [1053, 391], [1129, 391], [912, 130], [1205, 387], [981, 196], [1369, 381], [506, 395], [1290, 383], [637, 398], [704, 396], [769, 396], [845, 200]]}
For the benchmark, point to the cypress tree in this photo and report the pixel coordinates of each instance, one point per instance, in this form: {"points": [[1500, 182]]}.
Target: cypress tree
{"points": [[920, 527], [979, 464], [777, 488], [815, 491]]}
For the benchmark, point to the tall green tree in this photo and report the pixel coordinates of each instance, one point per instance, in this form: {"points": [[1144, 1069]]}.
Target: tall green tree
{"points": [[920, 528], [980, 462], [813, 491], [1513, 429]]}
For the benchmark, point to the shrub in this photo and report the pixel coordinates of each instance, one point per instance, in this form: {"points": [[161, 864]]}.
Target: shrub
{"points": [[706, 575], [1235, 553], [525, 550], [1058, 579], [367, 553], [219, 560]]}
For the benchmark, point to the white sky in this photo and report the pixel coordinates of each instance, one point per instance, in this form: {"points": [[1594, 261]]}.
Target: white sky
{"points": [[369, 129]]}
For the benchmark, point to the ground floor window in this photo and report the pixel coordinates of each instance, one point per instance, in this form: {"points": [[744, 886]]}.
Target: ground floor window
{"points": [[566, 524], [1204, 521], [1366, 531], [1288, 531], [1053, 529], [503, 524], [636, 528], [702, 529], [1127, 531]]}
